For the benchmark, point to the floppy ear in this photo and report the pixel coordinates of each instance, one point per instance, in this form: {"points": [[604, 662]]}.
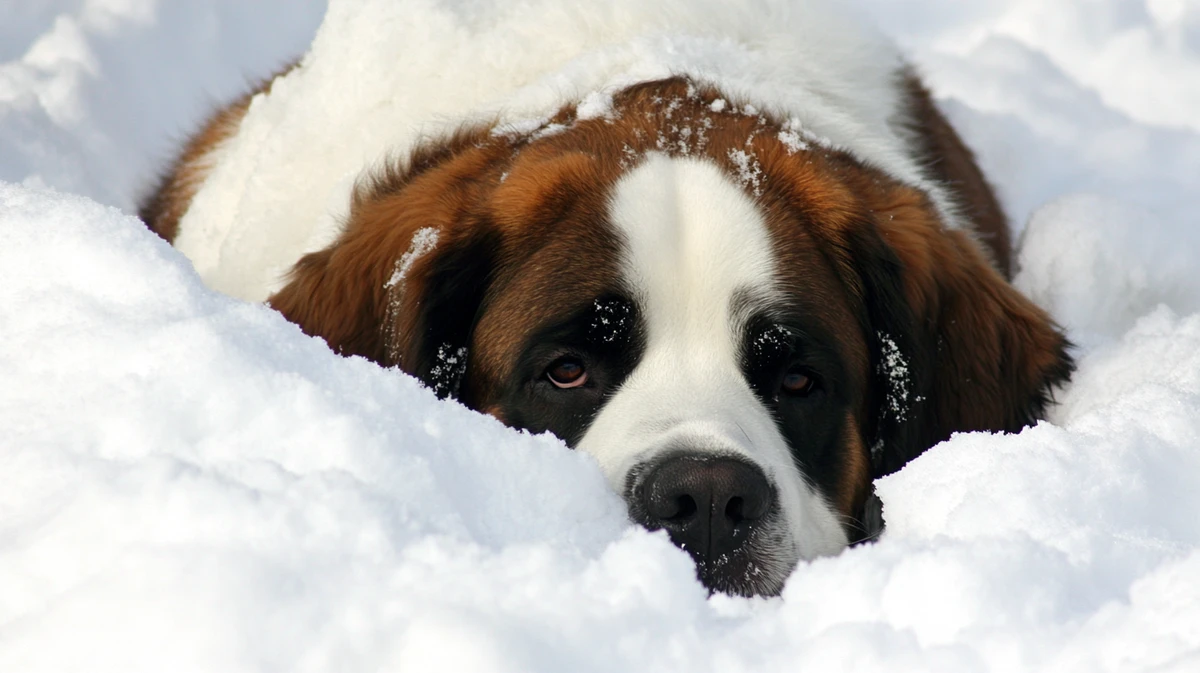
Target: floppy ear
{"points": [[434, 305], [403, 283], [954, 346]]}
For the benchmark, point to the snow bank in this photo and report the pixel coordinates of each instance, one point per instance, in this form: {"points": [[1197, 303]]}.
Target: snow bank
{"points": [[193, 484], [100, 93], [190, 471]]}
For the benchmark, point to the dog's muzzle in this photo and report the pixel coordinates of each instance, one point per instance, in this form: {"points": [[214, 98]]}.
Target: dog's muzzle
{"points": [[713, 507]]}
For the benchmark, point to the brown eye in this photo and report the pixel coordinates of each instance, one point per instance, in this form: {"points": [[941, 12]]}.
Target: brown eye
{"points": [[797, 382], [567, 372]]}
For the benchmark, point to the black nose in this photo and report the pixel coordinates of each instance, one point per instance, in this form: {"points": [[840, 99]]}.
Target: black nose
{"points": [[708, 505]]}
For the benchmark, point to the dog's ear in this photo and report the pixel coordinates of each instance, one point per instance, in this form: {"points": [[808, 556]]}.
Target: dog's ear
{"points": [[403, 283], [434, 302], [954, 346]]}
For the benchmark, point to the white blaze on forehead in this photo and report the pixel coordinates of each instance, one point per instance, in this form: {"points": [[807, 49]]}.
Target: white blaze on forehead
{"points": [[693, 242], [694, 239]]}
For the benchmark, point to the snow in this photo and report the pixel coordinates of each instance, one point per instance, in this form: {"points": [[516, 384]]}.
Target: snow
{"points": [[423, 242], [749, 172], [193, 484], [895, 368]]}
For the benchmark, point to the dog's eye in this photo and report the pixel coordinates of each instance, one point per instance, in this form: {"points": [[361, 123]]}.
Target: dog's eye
{"points": [[797, 382], [567, 372]]}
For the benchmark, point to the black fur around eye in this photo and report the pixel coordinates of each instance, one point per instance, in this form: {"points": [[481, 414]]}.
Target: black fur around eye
{"points": [[771, 342], [612, 321]]}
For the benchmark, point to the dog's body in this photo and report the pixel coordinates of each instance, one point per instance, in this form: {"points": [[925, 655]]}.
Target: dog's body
{"points": [[744, 309]]}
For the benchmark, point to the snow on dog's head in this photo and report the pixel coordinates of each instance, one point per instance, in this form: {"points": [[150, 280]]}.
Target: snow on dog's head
{"points": [[742, 329]]}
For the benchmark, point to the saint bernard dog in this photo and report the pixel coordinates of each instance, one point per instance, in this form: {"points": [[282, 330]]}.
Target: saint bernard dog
{"points": [[743, 321]]}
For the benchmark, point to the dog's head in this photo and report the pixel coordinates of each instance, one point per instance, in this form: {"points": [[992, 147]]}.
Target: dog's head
{"points": [[743, 329]]}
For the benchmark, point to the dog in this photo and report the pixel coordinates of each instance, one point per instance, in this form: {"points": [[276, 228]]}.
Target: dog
{"points": [[744, 306]]}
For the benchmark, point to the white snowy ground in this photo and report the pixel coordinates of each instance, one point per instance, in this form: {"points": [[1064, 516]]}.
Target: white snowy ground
{"points": [[189, 483]]}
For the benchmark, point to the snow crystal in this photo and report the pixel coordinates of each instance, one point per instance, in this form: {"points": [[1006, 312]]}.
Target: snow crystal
{"points": [[423, 242], [629, 156], [449, 366], [792, 141], [672, 107], [770, 342], [895, 369], [797, 138], [748, 169], [595, 105], [611, 321], [718, 105], [520, 128], [549, 130]]}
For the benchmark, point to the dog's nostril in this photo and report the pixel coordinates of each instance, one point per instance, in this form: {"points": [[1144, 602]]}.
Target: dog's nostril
{"points": [[750, 507], [685, 508], [670, 504], [733, 509]]}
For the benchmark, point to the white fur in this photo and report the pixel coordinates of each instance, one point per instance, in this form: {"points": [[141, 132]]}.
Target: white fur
{"points": [[694, 240], [382, 74]]}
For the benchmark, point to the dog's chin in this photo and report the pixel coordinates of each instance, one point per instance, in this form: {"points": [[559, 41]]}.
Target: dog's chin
{"points": [[758, 568], [744, 573]]}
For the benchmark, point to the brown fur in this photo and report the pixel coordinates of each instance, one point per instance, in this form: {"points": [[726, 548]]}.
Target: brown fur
{"points": [[991, 356], [855, 483], [340, 293]]}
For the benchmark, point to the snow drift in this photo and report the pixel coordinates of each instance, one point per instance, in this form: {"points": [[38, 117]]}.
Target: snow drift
{"points": [[193, 484]]}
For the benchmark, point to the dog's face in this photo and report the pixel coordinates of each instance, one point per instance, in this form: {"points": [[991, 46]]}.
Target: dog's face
{"points": [[743, 330], [669, 338]]}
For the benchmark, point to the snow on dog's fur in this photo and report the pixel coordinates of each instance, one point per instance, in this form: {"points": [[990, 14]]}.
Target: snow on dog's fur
{"points": [[747, 285]]}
